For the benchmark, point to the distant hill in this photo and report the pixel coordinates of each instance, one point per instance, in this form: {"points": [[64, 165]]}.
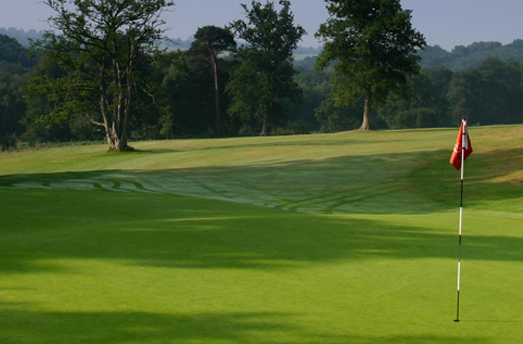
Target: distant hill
{"points": [[306, 52], [301, 53], [22, 36], [176, 43], [464, 57], [459, 58]]}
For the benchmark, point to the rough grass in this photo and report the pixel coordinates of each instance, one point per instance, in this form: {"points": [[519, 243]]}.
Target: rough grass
{"points": [[346, 238]]}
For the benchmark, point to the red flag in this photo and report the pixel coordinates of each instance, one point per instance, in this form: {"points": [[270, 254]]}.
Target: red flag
{"points": [[462, 142]]}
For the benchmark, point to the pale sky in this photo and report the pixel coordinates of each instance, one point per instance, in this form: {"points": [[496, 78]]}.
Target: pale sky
{"points": [[444, 22]]}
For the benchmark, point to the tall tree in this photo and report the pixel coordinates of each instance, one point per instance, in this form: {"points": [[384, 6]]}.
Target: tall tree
{"points": [[264, 81], [211, 41], [189, 95], [374, 48], [113, 36]]}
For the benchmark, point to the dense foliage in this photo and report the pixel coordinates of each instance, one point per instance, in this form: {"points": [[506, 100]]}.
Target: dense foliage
{"points": [[15, 62], [221, 86]]}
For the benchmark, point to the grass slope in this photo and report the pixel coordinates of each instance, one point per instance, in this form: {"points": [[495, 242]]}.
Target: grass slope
{"points": [[346, 238]]}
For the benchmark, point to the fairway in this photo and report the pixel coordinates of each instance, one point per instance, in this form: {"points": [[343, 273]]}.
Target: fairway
{"points": [[340, 238]]}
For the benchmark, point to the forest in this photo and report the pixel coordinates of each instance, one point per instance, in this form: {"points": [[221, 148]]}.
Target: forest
{"points": [[220, 85]]}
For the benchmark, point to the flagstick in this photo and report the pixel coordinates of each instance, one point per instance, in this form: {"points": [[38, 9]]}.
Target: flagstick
{"points": [[460, 227]]}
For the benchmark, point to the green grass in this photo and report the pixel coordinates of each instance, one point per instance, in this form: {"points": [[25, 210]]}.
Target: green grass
{"points": [[345, 238]]}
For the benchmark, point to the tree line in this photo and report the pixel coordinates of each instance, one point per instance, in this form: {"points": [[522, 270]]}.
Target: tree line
{"points": [[103, 75], [491, 93], [471, 56]]}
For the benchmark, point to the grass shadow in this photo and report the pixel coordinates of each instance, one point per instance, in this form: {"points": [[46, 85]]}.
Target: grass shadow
{"points": [[188, 233], [136, 327], [152, 328]]}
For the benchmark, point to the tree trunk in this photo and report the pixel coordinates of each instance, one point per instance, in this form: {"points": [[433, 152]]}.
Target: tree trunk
{"points": [[103, 105], [116, 91], [114, 139], [264, 126], [118, 142], [214, 62], [124, 136], [104, 118], [365, 125], [117, 132]]}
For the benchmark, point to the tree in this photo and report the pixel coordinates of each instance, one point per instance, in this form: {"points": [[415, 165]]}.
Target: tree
{"points": [[374, 48], [211, 41], [57, 95], [188, 92], [111, 36], [264, 80], [489, 94]]}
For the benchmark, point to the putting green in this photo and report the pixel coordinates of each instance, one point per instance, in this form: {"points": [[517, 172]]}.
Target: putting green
{"points": [[346, 238]]}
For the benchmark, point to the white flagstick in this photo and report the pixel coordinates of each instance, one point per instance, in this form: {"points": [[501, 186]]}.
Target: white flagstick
{"points": [[464, 145]]}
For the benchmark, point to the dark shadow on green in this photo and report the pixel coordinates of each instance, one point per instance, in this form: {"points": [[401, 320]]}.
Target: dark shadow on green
{"points": [[420, 339], [157, 151], [193, 233], [138, 327], [25, 327]]}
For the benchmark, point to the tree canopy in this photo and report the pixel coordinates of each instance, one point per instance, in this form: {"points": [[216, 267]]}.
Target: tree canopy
{"points": [[211, 42], [112, 36], [264, 81], [374, 48]]}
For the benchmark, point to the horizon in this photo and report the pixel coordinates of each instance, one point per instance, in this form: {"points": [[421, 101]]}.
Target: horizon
{"points": [[301, 46], [466, 22]]}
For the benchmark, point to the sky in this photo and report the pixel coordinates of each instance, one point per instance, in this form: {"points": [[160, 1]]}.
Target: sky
{"points": [[444, 22]]}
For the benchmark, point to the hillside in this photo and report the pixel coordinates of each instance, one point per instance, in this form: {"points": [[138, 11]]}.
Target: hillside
{"points": [[326, 165], [471, 56], [342, 238], [458, 59], [24, 37]]}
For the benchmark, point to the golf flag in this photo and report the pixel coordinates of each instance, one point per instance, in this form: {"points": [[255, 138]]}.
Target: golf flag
{"points": [[462, 149], [462, 143]]}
